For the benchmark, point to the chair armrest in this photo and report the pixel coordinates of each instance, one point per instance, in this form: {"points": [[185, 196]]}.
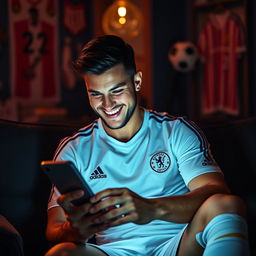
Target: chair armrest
{"points": [[11, 242]]}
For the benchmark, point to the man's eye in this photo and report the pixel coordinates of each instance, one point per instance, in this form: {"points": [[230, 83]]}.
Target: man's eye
{"points": [[96, 95], [118, 91]]}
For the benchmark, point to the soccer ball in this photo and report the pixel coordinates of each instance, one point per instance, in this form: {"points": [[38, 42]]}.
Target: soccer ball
{"points": [[183, 56]]}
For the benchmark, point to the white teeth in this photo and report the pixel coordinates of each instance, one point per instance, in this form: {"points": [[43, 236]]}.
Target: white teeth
{"points": [[112, 112]]}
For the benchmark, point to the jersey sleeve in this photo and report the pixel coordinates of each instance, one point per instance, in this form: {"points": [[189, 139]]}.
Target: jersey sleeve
{"points": [[192, 151], [53, 198]]}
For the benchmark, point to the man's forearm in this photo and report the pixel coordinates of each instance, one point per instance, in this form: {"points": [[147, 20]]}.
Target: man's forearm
{"points": [[181, 209]]}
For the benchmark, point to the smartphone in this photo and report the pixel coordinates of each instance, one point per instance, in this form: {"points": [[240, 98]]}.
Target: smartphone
{"points": [[65, 176]]}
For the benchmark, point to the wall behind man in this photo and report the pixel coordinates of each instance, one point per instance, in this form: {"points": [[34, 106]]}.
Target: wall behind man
{"points": [[171, 90], [73, 28], [175, 21], [4, 60], [171, 21], [252, 56]]}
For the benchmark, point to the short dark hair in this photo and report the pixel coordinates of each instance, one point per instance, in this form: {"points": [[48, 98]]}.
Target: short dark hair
{"points": [[104, 52]]}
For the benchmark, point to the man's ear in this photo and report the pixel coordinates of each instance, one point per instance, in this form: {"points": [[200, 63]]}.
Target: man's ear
{"points": [[138, 80]]}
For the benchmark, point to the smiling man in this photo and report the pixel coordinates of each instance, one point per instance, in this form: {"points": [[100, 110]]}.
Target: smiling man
{"points": [[158, 190]]}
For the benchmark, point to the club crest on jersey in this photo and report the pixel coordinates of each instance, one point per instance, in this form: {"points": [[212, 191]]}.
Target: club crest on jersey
{"points": [[160, 162]]}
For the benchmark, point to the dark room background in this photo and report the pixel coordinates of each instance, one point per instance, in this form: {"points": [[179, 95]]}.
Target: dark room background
{"points": [[160, 24]]}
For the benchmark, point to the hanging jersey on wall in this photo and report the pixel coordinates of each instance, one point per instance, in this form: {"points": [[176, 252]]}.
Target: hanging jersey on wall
{"points": [[221, 42], [34, 37]]}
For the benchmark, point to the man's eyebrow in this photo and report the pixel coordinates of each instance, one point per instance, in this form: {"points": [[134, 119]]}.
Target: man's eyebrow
{"points": [[117, 86], [92, 91], [111, 89]]}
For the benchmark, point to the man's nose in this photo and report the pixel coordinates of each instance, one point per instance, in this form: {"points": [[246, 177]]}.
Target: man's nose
{"points": [[108, 102]]}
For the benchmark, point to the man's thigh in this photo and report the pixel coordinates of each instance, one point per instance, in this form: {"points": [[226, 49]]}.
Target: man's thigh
{"points": [[188, 245], [150, 245], [164, 245], [71, 249], [93, 251]]}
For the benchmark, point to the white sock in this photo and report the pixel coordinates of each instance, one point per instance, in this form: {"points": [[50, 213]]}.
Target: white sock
{"points": [[225, 235]]}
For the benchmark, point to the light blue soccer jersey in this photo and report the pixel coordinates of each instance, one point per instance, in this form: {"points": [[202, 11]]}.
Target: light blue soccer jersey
{"points": [[159, 161]]}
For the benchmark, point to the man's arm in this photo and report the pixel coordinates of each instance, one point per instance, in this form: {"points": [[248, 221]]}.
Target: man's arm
{"points": [[179, 209]]}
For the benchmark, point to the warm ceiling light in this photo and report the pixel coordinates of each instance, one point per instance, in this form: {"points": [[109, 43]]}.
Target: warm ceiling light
{"points": [[122, 20], [121, 11]]}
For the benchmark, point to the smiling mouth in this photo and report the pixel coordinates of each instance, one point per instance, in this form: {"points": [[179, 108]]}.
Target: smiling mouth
{"points": [[113, 113]]}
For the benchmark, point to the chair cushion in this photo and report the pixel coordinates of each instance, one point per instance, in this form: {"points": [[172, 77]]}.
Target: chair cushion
{"points": [[10, 240]]}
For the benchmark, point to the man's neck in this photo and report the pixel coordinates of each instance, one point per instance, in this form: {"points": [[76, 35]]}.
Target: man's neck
{"points": [[125, 133]]}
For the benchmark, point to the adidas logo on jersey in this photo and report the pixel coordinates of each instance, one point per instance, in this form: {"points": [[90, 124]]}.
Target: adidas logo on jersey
{"points": [[98, 174]]}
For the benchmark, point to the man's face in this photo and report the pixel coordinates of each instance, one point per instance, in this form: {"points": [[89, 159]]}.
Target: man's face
{"points": [[112, 95]]}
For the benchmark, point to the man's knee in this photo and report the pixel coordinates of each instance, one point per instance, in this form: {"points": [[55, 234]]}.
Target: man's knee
{"points": [[224, 203], [215, 205], [62, 249]]}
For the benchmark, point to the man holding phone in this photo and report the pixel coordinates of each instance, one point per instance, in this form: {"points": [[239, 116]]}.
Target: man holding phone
{"points": [[158, 190]]}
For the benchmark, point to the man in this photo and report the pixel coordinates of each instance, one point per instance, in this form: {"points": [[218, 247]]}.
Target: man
{"points": [[158, 191]]}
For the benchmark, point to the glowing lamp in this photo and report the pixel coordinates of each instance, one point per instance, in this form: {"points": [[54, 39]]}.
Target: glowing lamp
{"points": [[122, 18]]}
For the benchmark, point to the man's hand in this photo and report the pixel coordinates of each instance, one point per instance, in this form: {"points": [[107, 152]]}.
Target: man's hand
{"points": [[121, 206], [79, 220]]}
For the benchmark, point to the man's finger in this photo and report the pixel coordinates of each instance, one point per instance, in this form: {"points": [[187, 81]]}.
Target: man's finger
{"points": [[106, 193], [65, 200]]}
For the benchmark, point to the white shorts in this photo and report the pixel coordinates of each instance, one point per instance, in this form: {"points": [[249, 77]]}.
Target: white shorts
{"points": [[140, 246]]}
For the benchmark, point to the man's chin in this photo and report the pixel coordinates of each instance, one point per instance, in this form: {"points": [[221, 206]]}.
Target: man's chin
{"points": [[112, 125], [123, 119]]}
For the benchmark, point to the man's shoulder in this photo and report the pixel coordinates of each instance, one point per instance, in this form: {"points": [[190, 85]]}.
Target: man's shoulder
{"points": [[161, 117], [84, 132], [88, 129], [78, 139], [179, 124]]}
